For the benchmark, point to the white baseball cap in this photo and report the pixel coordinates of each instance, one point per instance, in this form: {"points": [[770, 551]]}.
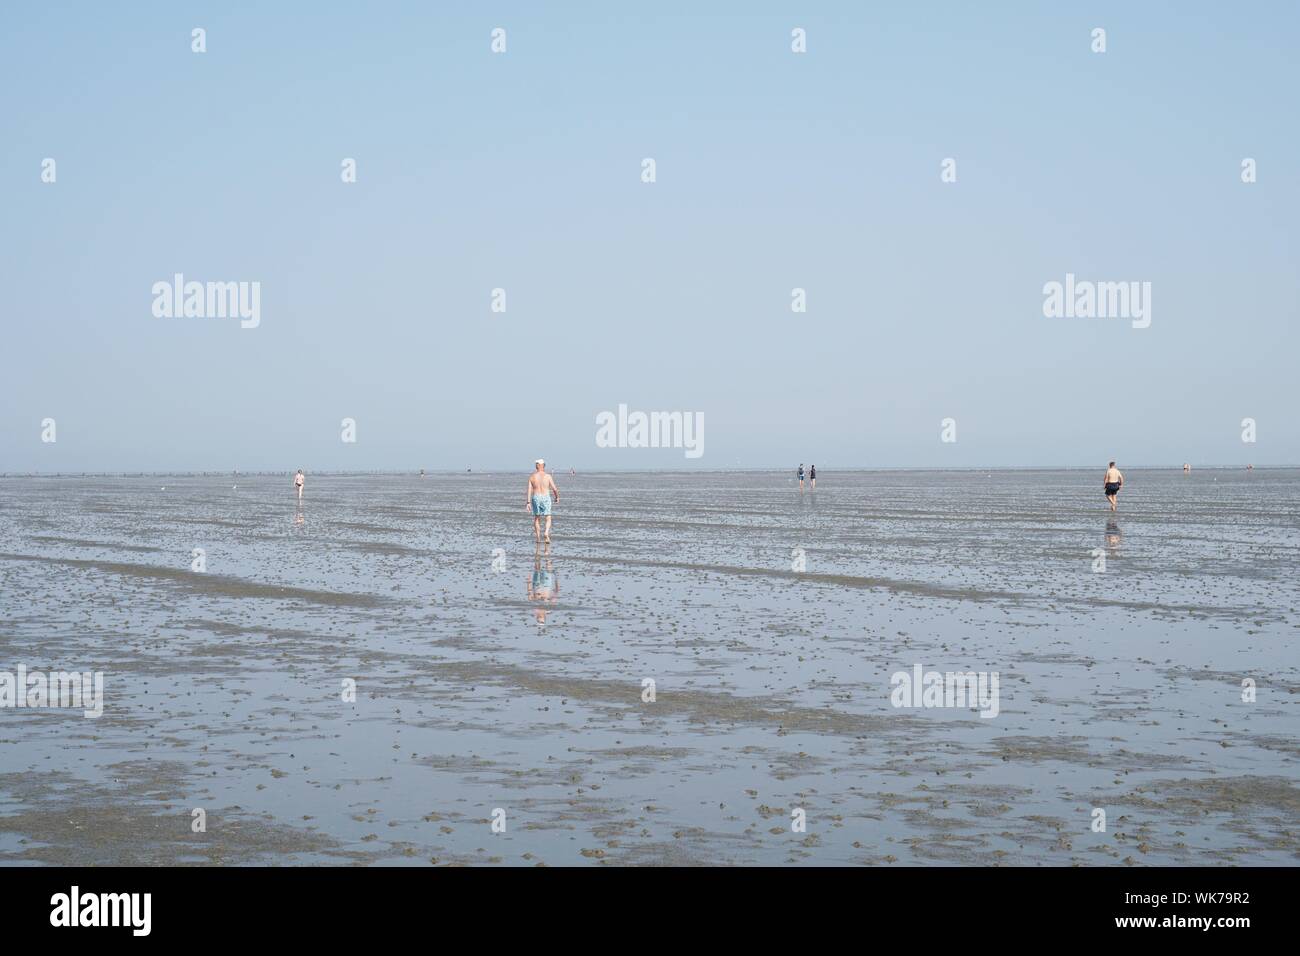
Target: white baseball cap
{"points": [[540, 461]]}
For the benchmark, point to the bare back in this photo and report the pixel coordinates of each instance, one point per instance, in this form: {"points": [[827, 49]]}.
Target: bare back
{"points": [[541, 483]]}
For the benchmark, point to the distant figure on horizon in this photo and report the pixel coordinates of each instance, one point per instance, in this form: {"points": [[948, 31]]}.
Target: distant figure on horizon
{"points": [[298, 481], [1250, 467], [801, 476], [812, 477], [421, 472], [1113, 481], [537, 498], [1187, 469]]}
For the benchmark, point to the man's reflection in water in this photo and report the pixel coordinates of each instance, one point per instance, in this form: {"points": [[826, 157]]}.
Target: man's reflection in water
{"points": [[297, 517], [1112, 538], [542, 585]]}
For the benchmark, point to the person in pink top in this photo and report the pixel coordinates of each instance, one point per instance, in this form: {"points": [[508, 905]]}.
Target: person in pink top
{"points": [[298, 480]]}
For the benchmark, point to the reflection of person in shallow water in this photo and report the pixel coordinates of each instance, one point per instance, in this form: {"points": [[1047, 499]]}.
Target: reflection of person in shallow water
{"points": [[1112, 537], [542, 585]]}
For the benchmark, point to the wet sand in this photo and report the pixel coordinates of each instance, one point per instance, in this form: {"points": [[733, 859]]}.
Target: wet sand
{"points": [[1119, 690]]}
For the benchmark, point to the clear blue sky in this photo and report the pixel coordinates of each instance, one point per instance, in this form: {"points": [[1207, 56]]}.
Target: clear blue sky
{"points": [[522, 171]]}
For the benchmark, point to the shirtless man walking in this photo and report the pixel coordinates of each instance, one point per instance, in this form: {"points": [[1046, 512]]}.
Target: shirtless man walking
{"points": [[537, 498], [297, 483], [1114, 480]]}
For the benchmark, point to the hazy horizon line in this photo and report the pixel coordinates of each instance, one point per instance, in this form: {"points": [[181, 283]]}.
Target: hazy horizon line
{"points": [[619, 471]]}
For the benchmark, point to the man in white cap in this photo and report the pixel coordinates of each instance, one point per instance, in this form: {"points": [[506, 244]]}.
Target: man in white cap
{"points": [[537, 498]]}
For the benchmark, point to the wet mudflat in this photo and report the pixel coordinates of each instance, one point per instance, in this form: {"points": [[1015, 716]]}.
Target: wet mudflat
{"points": [[498, 681]]}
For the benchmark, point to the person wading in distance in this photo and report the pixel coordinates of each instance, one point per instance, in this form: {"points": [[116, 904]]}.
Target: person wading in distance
{"points": [[1113, 481], [537, 498]]}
